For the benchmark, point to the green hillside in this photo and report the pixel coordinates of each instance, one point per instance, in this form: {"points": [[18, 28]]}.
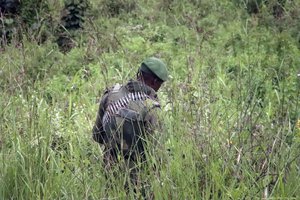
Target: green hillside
{"points": [[231, 108]]}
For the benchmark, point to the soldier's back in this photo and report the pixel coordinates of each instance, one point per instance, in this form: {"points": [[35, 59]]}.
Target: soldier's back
{"points": [[128, 118]]}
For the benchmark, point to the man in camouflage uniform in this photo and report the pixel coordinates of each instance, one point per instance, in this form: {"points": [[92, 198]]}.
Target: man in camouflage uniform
{"points": [[127, 114]]}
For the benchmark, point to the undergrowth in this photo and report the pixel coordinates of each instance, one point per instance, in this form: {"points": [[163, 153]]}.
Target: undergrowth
{"points": [[230, 108]]}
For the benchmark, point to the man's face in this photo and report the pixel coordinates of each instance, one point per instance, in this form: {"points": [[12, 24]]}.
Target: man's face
{"points": [[156, 84], [151, 81]]}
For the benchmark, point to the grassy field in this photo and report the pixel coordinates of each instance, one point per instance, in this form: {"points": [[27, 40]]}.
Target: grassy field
{"points": [[231, 108]]}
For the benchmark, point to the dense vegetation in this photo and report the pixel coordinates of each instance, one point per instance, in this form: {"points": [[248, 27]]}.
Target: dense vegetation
{"points": [[231, 110]]}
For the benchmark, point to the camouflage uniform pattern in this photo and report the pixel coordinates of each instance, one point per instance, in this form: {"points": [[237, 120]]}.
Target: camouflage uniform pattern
{"points": [[126, 120]]}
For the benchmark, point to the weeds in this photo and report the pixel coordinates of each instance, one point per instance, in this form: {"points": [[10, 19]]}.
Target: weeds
{"points": [[230, 109]]}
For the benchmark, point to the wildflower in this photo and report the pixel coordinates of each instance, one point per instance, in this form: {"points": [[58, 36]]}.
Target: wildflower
{"points": [[229, 142]]}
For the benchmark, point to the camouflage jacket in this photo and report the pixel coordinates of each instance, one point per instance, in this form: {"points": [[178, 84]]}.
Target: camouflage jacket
{"points": [[126, 118]]}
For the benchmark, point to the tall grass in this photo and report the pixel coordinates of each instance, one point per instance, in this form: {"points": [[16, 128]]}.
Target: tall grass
{"points": [[230, 108]]}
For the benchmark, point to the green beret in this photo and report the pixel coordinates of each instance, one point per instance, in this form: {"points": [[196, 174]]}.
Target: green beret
{"points": [[156, 66]]}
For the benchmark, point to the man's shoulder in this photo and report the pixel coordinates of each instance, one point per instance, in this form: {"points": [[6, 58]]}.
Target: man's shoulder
{"points": [[112, 88], [116, 88]]}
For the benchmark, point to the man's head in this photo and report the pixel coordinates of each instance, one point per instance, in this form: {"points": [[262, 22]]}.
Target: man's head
{"points": [[153, 72]]}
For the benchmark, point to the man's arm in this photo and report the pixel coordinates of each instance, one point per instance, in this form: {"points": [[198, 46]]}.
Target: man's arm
{"points": [[152, 123], [98, 129]]}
